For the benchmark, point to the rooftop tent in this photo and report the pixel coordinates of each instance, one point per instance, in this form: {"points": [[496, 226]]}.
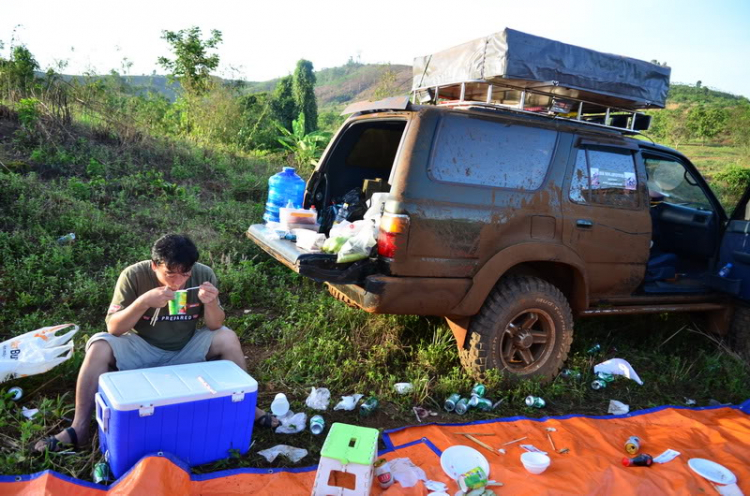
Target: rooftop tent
{"points": [[525, 61]]}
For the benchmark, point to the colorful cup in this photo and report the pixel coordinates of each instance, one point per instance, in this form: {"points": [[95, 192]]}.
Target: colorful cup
{"points": [[178, 305]]}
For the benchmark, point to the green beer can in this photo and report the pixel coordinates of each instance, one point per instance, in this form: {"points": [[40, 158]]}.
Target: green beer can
{"points": [[535, 401], [479, 390], [450, 403], [369, 406], [462, 406], [484, 404], [102, 474]]}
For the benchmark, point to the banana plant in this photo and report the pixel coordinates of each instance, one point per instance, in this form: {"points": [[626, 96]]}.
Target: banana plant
{"points": [[306, 148]]}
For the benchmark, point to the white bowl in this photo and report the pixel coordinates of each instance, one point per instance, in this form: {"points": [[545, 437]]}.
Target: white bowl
{"points": [[535, 463]]}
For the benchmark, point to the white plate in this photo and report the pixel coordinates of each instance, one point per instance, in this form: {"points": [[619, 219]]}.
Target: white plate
{"points": [[458, 460], [712, 471]]}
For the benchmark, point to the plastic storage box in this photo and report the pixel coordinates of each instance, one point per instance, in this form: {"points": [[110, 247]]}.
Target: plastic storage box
{"points": [[197, 412]]}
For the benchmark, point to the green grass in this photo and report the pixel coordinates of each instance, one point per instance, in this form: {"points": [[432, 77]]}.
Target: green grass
{"points": [[119, 197]]}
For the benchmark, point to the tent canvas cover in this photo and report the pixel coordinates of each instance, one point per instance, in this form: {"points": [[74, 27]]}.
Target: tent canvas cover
{"points": [[531, 62]]}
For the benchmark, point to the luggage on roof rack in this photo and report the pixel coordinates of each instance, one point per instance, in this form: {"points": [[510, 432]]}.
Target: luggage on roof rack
{"points": [[511, 62]]}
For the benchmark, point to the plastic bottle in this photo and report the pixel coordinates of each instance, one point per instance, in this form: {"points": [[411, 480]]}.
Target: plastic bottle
{"points": [[284, 187], [67, 239], [280, 405], [342, 214], [724, 271]]}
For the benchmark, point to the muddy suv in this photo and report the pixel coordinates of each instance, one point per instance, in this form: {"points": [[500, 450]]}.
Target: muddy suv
{"points": [[509, 224]]}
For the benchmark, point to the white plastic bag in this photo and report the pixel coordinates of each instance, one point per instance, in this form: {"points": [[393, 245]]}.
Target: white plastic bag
{"points": [[358, 246], [318, 399], [293, 454], [348, 402], [292, 423], [35, 352], [618, 366]]}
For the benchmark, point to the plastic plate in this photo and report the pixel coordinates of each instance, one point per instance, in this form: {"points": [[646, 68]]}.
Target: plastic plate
{"points": [[458, 460], [712, 471]]}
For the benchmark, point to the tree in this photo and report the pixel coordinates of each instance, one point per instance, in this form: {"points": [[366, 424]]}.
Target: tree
{"points": [[386, 86], [283, 104], [303, 89], [192, 64], [705, 122], [17, 74]]}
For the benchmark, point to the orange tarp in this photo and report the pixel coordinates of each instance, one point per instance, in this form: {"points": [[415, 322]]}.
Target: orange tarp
{"points": [[592, 465]]}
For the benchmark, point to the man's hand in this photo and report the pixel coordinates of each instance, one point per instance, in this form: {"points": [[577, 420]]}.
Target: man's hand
{"points": [[208, 293], [157, 297]]}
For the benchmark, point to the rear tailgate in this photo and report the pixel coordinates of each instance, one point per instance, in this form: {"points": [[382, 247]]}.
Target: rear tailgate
{"points": [[320, 267]]}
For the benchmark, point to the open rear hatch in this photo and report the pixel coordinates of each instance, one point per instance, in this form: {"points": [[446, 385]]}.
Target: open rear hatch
{"points": [[321, 267]]}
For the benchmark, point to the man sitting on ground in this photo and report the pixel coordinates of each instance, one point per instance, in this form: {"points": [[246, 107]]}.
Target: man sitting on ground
{"points": [[132, 341]]}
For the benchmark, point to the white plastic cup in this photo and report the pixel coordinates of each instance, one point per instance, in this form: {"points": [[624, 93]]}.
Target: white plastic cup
{"points": [[280, 405], [535, 463]]}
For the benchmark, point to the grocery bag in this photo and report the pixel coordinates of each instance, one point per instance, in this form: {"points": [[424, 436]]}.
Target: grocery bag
{"points": [[35, 352]]}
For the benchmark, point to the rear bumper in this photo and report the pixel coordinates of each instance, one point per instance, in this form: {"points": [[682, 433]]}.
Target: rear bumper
{"points": [[404, 295]]}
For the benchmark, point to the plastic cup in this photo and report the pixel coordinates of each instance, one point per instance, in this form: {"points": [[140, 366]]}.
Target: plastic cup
{"points": [[535, 463], [178, 304]]}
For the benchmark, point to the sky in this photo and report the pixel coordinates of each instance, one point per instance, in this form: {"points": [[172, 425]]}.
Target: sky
{"points": [[700, 40]]}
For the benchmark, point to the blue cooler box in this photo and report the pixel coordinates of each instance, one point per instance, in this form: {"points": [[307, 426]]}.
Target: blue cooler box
{"points": [[197, 412]]}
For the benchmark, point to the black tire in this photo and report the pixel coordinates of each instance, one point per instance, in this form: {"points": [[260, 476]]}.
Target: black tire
{"points": [[740, 333], [524, 329]]}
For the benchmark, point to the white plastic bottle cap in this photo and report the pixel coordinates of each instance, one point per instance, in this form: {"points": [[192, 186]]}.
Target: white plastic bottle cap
{"points": [[280, 405]]}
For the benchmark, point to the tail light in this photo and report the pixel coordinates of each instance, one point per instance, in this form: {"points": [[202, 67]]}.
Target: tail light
{"points": [[393, 235]]}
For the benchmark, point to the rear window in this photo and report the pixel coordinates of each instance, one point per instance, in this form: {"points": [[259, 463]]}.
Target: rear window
{"points": [[481, 152]]}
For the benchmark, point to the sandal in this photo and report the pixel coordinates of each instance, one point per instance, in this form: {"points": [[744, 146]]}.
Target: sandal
{"points": [[53, 445], [267, 420]]}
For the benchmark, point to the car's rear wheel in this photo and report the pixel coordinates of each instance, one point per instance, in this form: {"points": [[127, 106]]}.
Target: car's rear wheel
{"points": [[524, 329]]}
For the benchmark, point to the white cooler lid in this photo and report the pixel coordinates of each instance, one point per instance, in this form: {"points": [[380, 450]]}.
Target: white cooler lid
{"points": [[158, 386]]}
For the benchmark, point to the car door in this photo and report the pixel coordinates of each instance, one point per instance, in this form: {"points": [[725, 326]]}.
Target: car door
{"points": [[606, 220], [735, 250]]}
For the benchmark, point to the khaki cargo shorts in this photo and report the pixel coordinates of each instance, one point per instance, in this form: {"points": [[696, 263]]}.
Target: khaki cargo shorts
{"points": [[133, 352]]}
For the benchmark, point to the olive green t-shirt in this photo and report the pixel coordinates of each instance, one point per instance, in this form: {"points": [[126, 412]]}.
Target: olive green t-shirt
{"points": [[170, 332]]}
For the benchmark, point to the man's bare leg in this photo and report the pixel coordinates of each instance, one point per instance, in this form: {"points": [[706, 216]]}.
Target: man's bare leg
{"points": [[225, 345], [99, 359]]}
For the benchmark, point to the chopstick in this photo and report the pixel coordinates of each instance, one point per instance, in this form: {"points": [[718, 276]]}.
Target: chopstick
{"points": [[156, 313], [156, 316], [480, 443]]}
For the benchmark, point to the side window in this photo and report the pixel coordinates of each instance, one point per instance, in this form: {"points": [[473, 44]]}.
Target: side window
{"points": [[670, 182], [605, 177], [489, 153]]}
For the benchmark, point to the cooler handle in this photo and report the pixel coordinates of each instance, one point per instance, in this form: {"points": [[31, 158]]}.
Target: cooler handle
{"points": [[102, 413]]}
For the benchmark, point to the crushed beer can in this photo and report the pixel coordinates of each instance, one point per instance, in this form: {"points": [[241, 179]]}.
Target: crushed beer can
{"points": [[462, 406], [598, 384], [102, 473], [383, 473], [369, 406], [594, 349], [571, 374], [479, 390], [535, 401], [633, 445], [606, 377], [450, 403], [475, 478]]}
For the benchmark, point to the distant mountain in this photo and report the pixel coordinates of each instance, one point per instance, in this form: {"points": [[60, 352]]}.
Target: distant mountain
{"points": [[339, 86], [352, 82]]}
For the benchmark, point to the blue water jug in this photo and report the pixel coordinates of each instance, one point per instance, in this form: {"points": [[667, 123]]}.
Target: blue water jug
{"points": [[283, 187]]}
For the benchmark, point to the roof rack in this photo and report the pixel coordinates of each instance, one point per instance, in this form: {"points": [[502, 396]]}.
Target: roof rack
{"points": [[543, 98]]}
